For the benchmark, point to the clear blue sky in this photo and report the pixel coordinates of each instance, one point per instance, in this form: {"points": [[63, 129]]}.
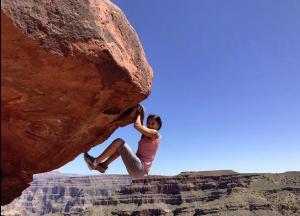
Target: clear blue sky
{"points": [[226, 84]]}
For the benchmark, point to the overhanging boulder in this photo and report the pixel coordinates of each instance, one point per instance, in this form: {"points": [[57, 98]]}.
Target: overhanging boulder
{"points": [[71, 72]]}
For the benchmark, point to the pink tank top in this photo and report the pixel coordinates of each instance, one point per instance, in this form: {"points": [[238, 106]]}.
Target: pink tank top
{"points": [[146, 151]]}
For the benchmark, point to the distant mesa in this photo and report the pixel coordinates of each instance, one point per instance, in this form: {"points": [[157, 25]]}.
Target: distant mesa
{"points": [[71, 74], [55, 174], [210, 173], [189, 193]]}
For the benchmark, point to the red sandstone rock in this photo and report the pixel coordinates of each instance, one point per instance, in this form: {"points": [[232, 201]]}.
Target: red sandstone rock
{"points": [[71, 73]]}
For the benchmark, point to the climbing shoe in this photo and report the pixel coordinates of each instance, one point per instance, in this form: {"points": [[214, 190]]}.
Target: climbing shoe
{"points": [[101, 168], [89, 161]]}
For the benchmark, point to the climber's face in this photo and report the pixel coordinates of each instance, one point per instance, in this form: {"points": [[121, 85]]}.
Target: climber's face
{"points": [[152, 124]]}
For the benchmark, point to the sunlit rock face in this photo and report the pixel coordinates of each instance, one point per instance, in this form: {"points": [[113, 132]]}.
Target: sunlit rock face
{"points": [[71, 73]]}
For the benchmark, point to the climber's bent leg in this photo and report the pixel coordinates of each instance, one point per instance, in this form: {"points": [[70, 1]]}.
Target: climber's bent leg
{"points": [[113, 157], [133, 164], [111, 149]]}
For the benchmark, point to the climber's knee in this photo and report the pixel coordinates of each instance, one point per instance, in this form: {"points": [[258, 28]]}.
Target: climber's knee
{"points": [[119, 141]]}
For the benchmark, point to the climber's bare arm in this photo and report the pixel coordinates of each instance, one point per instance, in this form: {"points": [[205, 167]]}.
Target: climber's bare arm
{"points": [[142, 114], [144, 130]]}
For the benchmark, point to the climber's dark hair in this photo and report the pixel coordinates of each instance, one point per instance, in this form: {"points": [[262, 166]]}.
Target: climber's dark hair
{"points": [[156, 118]]}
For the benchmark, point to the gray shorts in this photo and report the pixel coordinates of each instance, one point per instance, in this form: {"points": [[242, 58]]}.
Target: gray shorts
{"points": [[133, 164]]}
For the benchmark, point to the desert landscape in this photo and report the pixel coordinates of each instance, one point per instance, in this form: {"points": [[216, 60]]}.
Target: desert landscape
{"points": [[212, 193]]}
